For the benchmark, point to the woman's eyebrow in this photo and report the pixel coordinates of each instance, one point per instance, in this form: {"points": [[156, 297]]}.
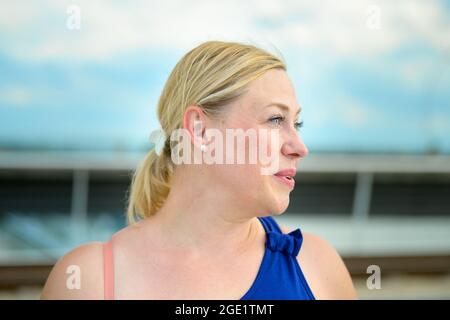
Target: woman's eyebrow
{"points": [[282, 106]]}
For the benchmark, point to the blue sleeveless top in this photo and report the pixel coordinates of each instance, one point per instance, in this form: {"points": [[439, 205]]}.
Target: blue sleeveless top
{"points": [[279, 277]]}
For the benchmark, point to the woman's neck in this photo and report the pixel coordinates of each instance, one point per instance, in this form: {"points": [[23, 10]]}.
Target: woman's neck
{"points": [[204, 219]]}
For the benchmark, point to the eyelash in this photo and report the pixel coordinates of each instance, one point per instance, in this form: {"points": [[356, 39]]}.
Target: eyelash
{"points": [[297, 124]]}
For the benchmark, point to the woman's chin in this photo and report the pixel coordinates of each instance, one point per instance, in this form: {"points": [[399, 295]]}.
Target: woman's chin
{"points": [[280, 205]]}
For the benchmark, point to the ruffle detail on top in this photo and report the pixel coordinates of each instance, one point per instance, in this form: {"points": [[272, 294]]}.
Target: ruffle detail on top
{"points": [[287, 243]]}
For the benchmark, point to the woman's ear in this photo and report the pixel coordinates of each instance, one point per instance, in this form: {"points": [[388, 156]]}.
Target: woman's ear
{"points": [[194, 121]]}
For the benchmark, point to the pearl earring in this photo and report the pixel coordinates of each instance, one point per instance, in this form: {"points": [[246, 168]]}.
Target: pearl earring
{"points": [[203, 147]]}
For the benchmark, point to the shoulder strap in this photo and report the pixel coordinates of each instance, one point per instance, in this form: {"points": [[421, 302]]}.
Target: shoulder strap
{"points": [[278, 241], [270, 224], [108, 271]]}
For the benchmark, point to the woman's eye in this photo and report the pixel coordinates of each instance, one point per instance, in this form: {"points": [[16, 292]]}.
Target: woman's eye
{"points": [[298, 125], [277, 119]]}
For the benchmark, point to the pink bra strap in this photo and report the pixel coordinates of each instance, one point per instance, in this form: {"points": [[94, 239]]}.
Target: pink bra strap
{"points": [[108, 270]]}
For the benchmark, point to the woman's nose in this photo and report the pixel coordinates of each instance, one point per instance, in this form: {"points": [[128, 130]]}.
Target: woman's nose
{"points": [[293, 146]]}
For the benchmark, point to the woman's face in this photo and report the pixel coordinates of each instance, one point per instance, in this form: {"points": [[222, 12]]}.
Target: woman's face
{"points": [[257, 109]]}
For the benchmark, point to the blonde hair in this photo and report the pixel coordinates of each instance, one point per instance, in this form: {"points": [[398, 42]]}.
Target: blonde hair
{"points": [[209, 76]]}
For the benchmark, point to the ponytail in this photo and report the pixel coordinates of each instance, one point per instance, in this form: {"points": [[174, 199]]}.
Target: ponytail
{"points": [[150, 186]]}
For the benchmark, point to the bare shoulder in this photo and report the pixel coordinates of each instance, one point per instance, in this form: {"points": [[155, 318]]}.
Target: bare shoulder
{"points": [[324, 269], [77, 275]]}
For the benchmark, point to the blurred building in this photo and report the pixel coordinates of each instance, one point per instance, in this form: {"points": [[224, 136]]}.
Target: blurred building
{"points": [[389, 210]]}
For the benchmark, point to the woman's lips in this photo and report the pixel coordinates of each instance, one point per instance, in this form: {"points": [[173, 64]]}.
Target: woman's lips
{"points": [[288, 181]]}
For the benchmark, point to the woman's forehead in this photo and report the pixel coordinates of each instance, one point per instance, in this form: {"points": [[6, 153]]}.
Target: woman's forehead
{"points": [[271, 87], [271, 90], [266, 101]]}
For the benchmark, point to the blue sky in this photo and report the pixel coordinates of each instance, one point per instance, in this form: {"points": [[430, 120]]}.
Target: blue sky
{"points": [[371, 76]]}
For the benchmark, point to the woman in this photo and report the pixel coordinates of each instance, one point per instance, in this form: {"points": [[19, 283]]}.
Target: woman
{"points": [[205, 230]]}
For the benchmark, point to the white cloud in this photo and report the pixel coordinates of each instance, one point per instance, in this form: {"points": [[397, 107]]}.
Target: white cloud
{"points": [[15, 96], [107, 28], [355, 114], [346, 110]]}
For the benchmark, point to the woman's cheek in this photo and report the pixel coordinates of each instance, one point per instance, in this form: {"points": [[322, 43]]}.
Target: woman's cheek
{"points": [[269, 145]]}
